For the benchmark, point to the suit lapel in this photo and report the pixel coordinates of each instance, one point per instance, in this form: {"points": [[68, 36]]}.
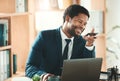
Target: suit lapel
{"points": [[74, 48], [59, 46], [59, 41]]}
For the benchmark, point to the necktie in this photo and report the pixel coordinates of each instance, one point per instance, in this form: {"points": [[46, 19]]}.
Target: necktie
{"points": [[65, 52]]}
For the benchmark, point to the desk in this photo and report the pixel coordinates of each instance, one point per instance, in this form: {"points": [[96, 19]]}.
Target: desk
{"points": [[19, 79], [28, 79], [103, 77]]}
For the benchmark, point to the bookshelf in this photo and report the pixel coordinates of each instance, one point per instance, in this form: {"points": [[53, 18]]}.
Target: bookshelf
{"points": [[21, 31], [5, 47]]}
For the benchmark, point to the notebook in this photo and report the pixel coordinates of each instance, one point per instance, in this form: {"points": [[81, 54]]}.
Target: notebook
{"points": [[87, 69]]}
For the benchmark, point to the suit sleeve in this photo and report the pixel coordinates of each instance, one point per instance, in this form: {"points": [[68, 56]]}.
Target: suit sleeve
{"points": [[88, 53], [35, 60]]}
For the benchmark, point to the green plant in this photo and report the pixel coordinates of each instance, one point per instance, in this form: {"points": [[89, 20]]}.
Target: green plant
{"points": [[36, 77]]}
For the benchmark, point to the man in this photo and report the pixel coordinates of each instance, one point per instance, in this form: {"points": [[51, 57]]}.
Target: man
{"points": [[47, 53]]}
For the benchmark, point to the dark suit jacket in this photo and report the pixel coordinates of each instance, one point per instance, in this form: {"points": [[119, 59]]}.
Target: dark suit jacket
{"points": [[46, 53]]}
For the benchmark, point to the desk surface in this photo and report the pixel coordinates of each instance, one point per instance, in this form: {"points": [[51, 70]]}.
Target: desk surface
{"points": [[19, 79], [103, 77], [28, 79]]}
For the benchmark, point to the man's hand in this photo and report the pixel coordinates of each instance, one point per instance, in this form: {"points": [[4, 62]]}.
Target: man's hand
{"points": [[44, 77], [90, 38]]}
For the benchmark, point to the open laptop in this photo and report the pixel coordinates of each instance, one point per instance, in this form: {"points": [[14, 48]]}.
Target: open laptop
{"points": [[87, 69]]}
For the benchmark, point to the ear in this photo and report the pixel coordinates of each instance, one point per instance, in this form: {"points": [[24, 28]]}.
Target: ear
{"points": [[67, 18]]}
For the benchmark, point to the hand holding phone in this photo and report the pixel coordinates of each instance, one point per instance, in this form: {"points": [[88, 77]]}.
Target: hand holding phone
{"points": [[91, 34], [90, 38]]}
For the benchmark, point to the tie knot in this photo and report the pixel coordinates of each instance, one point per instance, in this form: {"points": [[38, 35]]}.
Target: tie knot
{"points": [[68, 40]]}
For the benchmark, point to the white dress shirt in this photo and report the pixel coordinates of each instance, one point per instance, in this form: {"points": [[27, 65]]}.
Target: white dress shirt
{"points": [[63, 36]]}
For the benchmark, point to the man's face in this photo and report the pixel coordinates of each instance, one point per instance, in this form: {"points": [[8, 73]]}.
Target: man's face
{"points": [[77, 24]]}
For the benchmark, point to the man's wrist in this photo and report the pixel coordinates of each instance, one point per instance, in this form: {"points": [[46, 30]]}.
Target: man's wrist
{"points": [[90, 47]]}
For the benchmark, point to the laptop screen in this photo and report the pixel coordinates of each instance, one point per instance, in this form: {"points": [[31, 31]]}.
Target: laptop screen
{"points": [[87, 69]]}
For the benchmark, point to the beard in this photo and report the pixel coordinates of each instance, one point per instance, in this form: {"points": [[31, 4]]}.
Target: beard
{"points": [[72, 31]]}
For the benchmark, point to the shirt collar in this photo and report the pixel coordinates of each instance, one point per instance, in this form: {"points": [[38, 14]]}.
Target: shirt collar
{"points": [[63, 36]]}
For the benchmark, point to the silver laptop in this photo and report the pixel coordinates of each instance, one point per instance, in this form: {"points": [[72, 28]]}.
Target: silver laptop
{"points": [[87, 69]]}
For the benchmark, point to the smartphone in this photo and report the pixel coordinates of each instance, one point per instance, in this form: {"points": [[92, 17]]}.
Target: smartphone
{"points": [[91, 34]]}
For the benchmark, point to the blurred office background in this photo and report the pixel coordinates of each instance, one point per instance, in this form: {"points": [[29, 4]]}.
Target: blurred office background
{"points": [[28, 17]]}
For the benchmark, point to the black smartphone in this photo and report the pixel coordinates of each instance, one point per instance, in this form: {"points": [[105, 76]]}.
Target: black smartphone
{"points": [[91, 34]]}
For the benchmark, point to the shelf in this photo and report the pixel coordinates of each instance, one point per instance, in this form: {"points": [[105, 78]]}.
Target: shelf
{"points": [[20, 29], [5, 47], [14, 14]]}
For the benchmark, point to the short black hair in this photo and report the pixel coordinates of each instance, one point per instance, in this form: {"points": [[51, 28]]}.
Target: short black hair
{"points": [[74, 10]]}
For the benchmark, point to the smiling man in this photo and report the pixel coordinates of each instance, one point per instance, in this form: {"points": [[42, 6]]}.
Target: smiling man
{"points": [[51, 47]]}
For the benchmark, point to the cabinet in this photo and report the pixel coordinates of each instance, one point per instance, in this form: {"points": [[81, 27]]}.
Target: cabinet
{"points": [[21, 31]]}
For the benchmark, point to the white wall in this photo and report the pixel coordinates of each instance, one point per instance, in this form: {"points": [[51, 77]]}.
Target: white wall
{"points": [[48, 19], [113, 43], [113, 14]]}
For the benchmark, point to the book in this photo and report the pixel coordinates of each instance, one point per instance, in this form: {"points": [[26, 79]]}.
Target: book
{"points": [[8, 63], [1, 35], [14, 63], [1, 66], [3, 32], [4, 65]]}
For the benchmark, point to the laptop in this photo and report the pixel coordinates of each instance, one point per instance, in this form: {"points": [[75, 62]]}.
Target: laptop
{"points": [[87, 69]]}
